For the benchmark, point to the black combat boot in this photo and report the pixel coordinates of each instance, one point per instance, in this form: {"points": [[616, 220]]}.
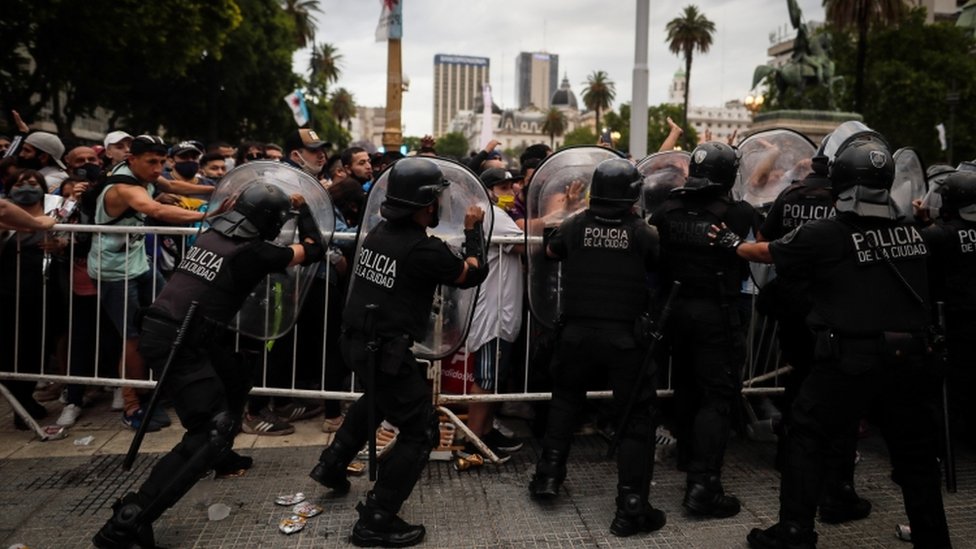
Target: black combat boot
{"points": [[330, 471], [709, 499], [123, 530], [378, 527], [549, 474], [635, 514], [843, 505], [783, 535]]}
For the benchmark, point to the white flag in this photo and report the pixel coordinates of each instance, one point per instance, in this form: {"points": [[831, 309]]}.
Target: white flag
{"points": [[487, 130], [940, 127], [390, 26], [296, 100]]}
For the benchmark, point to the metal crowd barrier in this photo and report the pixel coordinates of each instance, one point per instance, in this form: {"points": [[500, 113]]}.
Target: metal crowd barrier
{"points": [[761, 374]]}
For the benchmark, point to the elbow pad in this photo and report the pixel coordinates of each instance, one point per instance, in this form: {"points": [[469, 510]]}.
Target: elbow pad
{"points": [[307, 228], [314, 253]]}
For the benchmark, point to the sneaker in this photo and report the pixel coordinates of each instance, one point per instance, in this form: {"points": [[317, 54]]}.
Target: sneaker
{"points": [[46, 392], [471, 449], [118, 403], [296, 410], [266, 423], [69, 415], [135, 419], [332, 424], [497, 441], [160, 417]]}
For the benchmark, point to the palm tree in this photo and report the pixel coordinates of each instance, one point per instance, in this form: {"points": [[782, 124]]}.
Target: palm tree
{"points": [[324, 66], [554, 125], [860, 15], [598, 94], [300, 12], [692, 31], [343, 106]]}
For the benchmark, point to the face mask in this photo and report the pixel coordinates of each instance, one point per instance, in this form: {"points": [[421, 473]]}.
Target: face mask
{"points": [[187, 170], [229, 162], [89, 171], [506, 201], [310, 168], [26, 195], [29, 163]]}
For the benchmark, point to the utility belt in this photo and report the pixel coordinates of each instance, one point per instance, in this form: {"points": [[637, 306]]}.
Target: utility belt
{"points": [[886, 345], [201, 330], [391, 353]]}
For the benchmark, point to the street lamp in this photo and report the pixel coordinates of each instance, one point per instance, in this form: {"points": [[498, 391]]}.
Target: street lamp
{"points": [[754, 102]]}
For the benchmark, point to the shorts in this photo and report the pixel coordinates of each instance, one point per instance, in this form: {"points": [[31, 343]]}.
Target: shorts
{"points": [[122, 299], [489, 359]]}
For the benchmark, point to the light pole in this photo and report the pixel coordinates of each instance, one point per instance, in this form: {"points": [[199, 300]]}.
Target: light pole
{"points": [[754, 102]]}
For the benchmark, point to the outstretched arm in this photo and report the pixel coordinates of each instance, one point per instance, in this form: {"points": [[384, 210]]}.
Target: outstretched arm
{"points": [[672, 139], [14, 217]]}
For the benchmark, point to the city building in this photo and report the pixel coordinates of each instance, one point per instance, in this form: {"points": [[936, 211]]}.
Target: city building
{"points": [[457, 78], [368, 126], [536, 74], [721, 121]]}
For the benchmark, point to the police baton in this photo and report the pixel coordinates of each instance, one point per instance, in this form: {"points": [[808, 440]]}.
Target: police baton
{"points": [[656, 336], [950, 455], [130, 457], [372, 347]]}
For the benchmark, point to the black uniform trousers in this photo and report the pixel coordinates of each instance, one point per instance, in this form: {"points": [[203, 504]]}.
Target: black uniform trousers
{"points": [[961, 348], [206, 378], [708, 351], [850, 378], [583, 347], [403, 398]]}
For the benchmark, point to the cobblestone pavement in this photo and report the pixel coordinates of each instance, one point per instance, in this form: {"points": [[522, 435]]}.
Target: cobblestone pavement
{"points": [[56, 495]]}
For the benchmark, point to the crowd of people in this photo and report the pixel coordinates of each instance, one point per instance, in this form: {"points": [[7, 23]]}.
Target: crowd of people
{"points": [[855, 293]]}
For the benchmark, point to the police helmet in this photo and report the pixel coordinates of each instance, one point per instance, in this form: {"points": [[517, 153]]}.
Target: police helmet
{"points": [[615, 181], [413, 183], [820, 164], [959, 191], [862, 163], [260, 211], [715, 162]]}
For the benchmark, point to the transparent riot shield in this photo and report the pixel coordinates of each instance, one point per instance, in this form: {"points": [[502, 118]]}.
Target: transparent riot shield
{"points": [[451, 313], [771, 161], [273, 306], [662, 172], [559, 188], [909, 184]]}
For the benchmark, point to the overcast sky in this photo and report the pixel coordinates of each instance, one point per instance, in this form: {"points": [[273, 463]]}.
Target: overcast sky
{"points": [[587, 35]]}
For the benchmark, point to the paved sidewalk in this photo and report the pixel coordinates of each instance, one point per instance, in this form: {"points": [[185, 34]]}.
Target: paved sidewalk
{"points": [[61, 500]]}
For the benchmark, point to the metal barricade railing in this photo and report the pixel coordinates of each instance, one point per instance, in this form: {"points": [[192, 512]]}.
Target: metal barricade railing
{"points": [[761, 373]]}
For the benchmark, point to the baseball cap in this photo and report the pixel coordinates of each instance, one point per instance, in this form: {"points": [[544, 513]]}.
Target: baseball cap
{"points": [[49, 143], [147, 143], [304, 138], [114, 137], [494, 176], [184, 147]]}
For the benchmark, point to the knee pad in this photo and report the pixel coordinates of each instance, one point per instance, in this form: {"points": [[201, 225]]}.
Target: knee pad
{"points": [[223, 426], [719, 400]]}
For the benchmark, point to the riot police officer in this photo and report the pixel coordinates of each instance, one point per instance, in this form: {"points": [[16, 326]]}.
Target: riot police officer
{"points": [[706, 333], [606, 241], [207, 381], [398, 268], [787, 299], [952, 239], [868, 282]]}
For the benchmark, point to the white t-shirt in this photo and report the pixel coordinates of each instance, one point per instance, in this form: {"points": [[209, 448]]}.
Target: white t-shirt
{"points": [[501, 292]]}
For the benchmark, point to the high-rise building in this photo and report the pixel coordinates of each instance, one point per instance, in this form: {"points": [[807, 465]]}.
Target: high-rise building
{"points": [[457, 79], [538, 76]]}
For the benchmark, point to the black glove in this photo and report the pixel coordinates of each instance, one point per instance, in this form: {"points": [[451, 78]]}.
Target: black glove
{"points": [[725, 238], [474, 244]]}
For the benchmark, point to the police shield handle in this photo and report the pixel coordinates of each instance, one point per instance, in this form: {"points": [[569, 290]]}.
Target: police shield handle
{"points": [[645, 371], [130, 457], [372, 348]]}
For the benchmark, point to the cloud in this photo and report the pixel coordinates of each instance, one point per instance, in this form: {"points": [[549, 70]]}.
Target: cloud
{"points": [[587, 35]]}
